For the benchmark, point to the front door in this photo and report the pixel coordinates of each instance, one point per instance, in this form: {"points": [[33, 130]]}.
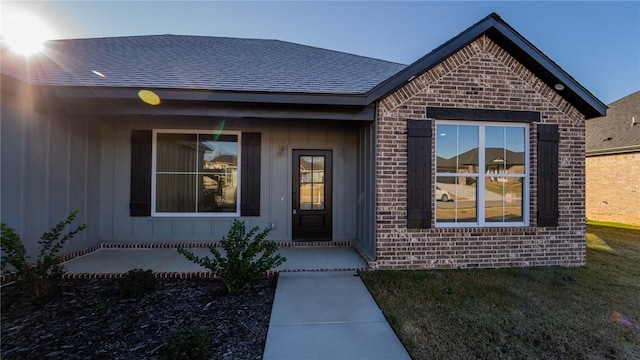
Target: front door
{"points": [[311, 196]]}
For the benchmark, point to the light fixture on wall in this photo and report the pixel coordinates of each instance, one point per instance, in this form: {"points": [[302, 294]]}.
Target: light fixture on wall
{"points": [[559, 87], [282, 150]]}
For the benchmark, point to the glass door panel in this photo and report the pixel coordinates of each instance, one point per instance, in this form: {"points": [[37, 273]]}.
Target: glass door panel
{"points": [[311, 182]]}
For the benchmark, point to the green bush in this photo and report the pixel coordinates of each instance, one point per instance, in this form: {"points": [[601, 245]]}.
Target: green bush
{"points": [[191, 343], [41, 278], [248, 257], [137, 283]]}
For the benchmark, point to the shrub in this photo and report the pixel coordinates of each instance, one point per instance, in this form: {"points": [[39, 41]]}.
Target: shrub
{"points": [[191, 343], [45, 275], [248, 257], [137, 283]]}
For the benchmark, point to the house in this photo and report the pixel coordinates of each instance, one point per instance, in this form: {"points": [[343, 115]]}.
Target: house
{"points": [[163, 140], [613, 163]]}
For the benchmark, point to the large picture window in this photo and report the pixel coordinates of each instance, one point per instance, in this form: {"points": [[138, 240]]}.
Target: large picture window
{"points": [[195, 173], [481, 174]]}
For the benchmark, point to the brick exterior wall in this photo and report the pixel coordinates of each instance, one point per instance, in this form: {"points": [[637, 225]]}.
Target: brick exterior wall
{"points": [[613, 188], [480, 76]]}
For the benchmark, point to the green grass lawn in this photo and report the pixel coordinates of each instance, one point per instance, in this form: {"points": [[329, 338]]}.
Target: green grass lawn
{"points": [[612, 224], [523, 313]]}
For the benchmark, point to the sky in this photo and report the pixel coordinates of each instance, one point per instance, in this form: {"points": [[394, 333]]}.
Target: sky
{"points": [[596, 42], [454, 140]]}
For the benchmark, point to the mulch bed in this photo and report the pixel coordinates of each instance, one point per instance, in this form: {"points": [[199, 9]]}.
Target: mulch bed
{"points": [[90, 319]]}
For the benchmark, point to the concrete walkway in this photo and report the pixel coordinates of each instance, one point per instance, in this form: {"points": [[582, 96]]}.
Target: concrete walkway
{"points": [[328, 315], [321, 309]]}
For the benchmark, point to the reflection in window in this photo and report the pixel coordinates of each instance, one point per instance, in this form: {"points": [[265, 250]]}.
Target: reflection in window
{"points": [[312, 182], [503, 201], [504, 150], [504, 173], [454, 201], [196, 173], [481, 173], [457, 149]]}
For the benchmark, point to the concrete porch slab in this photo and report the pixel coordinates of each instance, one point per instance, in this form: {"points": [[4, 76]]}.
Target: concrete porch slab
{"points": [[109, 261], [168, 260]]}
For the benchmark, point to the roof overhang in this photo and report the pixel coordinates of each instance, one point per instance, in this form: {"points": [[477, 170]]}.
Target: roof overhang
{"points": [[519, 47], [613, 151], [205, 95], [104, 101]]}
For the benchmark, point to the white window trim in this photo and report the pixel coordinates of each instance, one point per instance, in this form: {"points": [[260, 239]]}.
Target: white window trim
{"points": [[154, 213], [480, 200]]}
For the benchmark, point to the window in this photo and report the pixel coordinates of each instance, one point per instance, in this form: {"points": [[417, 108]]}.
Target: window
{"points": [[195, 173], [481, 174], [312, 182]]}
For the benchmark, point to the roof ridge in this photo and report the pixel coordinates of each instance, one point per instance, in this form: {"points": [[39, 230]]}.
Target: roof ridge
{"points": [[340, 52], [625, 98], [156, 35]]}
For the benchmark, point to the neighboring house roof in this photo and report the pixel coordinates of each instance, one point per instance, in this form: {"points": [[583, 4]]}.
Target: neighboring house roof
{"points": [[492, 156], [619, 131], [197, 68], [207, 63], [226, 158]]}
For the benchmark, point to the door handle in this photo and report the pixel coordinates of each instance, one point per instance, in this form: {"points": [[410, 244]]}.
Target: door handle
{"points": [[295, 211]]}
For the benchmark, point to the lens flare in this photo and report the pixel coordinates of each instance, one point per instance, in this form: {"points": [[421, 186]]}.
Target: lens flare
{"points": [[218, 130], [24, 32], [149, 97]]}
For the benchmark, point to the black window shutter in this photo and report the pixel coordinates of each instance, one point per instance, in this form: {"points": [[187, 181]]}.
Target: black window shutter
{"points": [[250, 175], [548, 136], [140, 204], [418, 174]]}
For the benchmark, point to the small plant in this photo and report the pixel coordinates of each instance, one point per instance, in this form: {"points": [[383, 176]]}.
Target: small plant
{"points": [[191, 343], [248, 257], [137, 283], [41, 278], [103, 306]]}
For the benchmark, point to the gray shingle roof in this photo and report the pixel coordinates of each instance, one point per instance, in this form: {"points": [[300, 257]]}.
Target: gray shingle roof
{"points": [[206, 63], [614, 133]]}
